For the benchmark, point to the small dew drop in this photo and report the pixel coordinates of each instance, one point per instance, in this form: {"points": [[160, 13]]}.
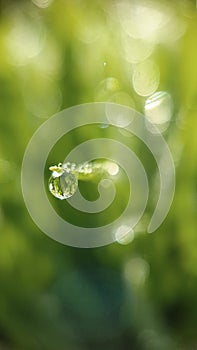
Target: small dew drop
{"points": [[63, 185], [85, 168]]}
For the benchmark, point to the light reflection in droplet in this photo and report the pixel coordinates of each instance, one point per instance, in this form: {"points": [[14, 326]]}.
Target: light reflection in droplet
{"points": [[124, 234], [146, 78], [136, 271], [158, 109]]}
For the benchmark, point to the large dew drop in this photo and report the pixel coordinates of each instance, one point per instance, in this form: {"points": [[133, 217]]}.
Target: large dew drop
{"points": [[63, 184]]}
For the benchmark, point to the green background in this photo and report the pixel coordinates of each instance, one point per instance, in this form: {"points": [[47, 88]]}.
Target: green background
{"points": [[143, 295]]}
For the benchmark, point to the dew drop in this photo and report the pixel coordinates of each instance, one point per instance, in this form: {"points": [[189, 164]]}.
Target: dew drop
{"points": [[63, 185], [85, 168], [63, 182]]}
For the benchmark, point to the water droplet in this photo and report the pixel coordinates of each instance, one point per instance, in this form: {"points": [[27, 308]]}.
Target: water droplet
{"points": [[85, 168], [63, 184]]}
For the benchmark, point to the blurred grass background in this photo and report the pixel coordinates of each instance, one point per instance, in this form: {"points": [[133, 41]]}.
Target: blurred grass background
{"points": [[56, 54]]}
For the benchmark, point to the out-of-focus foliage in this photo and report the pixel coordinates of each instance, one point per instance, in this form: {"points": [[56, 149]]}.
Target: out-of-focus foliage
{"points": [[56, 54]]}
